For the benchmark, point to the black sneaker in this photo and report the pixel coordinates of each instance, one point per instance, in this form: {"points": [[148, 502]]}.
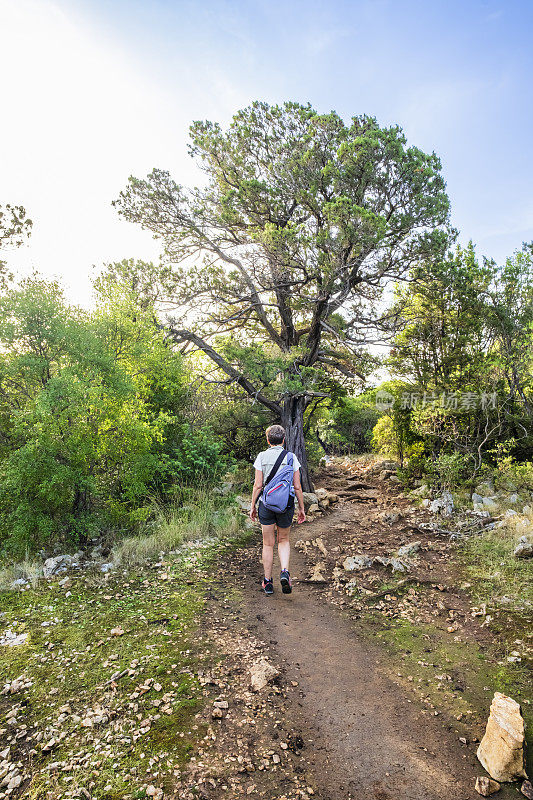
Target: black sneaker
{"points": [[268, 586], [286, 583]]}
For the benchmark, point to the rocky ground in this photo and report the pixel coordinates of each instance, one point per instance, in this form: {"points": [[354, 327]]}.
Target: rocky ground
{"points": [[373, 679]]}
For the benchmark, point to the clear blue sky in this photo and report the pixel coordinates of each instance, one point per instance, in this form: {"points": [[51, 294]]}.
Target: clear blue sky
{"points": [[112, 86]]}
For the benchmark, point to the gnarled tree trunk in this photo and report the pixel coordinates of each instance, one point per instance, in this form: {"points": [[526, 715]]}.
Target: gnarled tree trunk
{"points": [[292, 419]]}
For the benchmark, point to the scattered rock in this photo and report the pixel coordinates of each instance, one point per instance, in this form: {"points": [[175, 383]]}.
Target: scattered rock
{"points": [[443, 505], [12, 639], [261, 674], [408, 550], [356, 562], [389, 516], [244, 503], [313, 508], [117, 631], [321, 546], [524, 548], [486, 786], [321, 494], [527, 789], [501, 751], [395, 563], [316, 574], [56, 565]]}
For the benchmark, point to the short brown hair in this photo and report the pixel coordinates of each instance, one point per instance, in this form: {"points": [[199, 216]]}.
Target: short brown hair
{"points": [[275, 434]]}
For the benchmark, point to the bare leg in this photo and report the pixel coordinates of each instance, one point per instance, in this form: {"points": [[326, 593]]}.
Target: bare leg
{"points": [[268, 548], [284, 547]]}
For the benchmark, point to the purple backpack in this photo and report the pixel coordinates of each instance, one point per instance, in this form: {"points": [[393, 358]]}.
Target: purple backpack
{"points": [[277, 488]]}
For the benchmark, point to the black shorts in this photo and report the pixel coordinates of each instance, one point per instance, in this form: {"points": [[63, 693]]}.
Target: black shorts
{"points": [[282, 520]]}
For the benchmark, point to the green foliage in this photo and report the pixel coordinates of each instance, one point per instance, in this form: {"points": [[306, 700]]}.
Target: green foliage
{"points": [[465, 345], [193, 456], [450, 470], [348, 425], [91, 410], [301, 222]]}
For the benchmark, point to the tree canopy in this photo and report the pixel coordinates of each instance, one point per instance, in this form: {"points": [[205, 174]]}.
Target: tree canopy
{"points": [[280, 257]]}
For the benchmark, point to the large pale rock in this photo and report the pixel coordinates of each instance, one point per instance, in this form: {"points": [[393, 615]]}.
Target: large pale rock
{"points": [[261, 674], [502, 748], [524, 548], [491, 504], [386, 465], [53, 566], [351, 563], [486, 786], [408, 550], [321, 493], [443, 505], [310, 499]]}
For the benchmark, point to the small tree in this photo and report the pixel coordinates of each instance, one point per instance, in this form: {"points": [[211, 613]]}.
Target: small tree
{"points": [[280, 258]]}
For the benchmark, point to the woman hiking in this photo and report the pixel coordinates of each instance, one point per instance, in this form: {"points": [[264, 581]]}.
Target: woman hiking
{"points": [[277, 481]]}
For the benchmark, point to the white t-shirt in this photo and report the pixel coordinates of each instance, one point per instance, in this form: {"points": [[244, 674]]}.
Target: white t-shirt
{"points": [[267, 458]]}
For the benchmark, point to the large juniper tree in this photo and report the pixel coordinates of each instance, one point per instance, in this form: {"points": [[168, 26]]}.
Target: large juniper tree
{"points": [[281, 256]]}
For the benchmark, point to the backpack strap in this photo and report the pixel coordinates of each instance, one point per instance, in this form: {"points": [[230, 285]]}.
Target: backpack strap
{"points": [[275, 467]]}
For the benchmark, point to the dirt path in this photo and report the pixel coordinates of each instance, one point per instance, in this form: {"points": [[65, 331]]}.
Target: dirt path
{"points": [[365, 737]]}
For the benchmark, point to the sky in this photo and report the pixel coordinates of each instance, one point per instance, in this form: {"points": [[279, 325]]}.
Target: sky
{"points": [[96, 90]]}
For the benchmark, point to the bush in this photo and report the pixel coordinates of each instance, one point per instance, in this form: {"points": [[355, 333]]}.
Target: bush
{"points": [[349, 424]]}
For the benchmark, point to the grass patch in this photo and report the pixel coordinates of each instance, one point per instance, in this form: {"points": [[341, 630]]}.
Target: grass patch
{"points": [[196, 516], [494, 570], [27, 570], [77, 727]]}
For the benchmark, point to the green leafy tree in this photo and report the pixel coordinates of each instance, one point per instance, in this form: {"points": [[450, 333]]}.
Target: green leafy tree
{"points": [[91, 417], [15, 227], [280, 258]]}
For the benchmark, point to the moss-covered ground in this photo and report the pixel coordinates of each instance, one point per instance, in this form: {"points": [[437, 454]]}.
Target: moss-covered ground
{"points": [[113, 664]]}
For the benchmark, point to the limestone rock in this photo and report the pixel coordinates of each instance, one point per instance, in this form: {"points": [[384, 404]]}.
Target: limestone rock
{"points": [[310, 499], [321, 494], [55, 565], [443, 505], [244, 503], [313, 508], [422, 491], [408, 550], [389, 517], [477, 499], [356, 562], [501, 751], [261, 674], [486, 786], [316, 574], [524, 548], [527, 789], [491, 504]]}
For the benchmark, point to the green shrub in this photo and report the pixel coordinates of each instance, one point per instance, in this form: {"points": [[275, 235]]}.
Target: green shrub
{"points": [[348, 426]]}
